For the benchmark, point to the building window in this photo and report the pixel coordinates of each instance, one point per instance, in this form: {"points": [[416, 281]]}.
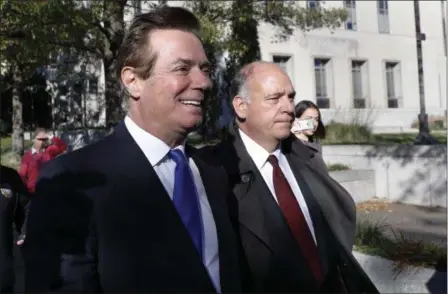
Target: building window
{"points": [[350, 24], [283, 61], [359, 83], [383, 16], [312, 4], [393, 85], [321, 74]]}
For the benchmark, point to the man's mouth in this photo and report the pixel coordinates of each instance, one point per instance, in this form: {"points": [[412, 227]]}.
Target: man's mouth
{"points": [[196, 103]]}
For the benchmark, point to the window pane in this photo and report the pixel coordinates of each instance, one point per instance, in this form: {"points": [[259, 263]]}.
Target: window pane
{"points": [[320, 77], [318, 83], [357, 79], [390, 80]]}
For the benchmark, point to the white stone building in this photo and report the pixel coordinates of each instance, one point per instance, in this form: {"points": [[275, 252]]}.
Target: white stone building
{"points": [[370, 64], [367, 70]]}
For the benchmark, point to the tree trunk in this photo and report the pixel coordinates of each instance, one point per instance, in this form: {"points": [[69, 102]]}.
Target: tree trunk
{"points": [[17, 113], [114, 25]]}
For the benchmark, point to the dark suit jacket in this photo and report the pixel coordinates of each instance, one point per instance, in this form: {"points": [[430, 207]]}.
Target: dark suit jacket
{"points": [[13, 212], [276, 263], [101, 221]]}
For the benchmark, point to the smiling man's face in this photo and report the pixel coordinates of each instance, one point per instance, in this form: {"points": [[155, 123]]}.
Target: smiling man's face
{"points": [[173, 95]]}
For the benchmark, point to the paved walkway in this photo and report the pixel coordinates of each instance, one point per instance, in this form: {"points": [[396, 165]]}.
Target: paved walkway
{"points": [[416, 222]]}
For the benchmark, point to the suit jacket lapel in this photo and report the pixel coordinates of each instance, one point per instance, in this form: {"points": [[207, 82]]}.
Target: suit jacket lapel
{"points": [[136, 172], [314, 210], [259, 211], [217, 192], [336, 205]]}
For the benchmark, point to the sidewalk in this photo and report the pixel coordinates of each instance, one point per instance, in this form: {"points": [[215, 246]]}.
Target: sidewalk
{"points": [[428, 224]]}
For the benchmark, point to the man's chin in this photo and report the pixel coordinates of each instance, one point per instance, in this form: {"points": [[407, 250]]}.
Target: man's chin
{"points": [[192, 126]]}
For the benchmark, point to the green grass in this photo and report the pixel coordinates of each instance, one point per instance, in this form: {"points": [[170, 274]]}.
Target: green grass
{"points": [[403, 251], [337, 167], [9, 158], [6, 144]]}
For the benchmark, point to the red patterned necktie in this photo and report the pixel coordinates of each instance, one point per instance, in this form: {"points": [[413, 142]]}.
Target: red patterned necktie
{"points": [[296, 220]]}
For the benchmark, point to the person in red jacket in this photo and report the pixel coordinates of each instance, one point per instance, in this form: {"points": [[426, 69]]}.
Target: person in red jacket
{"points": [[45, 147]]}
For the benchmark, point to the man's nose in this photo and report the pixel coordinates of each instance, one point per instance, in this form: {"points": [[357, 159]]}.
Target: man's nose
{"points": [[201, 80], [288, 105]]}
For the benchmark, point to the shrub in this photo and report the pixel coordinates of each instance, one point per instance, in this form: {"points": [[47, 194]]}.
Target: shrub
{"points": [[353, 133], [337, 166]]}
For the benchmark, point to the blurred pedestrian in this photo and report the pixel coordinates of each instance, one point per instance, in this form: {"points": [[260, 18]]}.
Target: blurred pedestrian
{"points": [[45, 147]]}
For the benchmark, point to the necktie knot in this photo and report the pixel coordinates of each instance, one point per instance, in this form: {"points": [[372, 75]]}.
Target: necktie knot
{"points": [[273, 160], [178, 156]]}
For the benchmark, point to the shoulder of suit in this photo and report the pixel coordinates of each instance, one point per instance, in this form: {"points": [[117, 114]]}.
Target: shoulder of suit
{"points": [[91, 155]]}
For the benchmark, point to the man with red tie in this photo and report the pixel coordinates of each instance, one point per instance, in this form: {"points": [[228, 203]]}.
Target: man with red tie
{"points": [[296, 224], [45, 147]]}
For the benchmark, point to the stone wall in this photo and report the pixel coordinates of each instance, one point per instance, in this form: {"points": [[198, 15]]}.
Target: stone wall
{"points": [[404, 173]]}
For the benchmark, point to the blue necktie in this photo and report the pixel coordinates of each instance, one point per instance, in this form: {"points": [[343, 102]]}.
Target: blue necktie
{"points": [[186, 199]]}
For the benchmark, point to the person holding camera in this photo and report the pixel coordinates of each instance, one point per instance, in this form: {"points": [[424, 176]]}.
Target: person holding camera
{"points": [[308, 128], [45, 147]]}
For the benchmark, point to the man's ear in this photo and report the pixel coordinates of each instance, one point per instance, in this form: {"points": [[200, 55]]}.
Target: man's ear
{"points": [[131, 82], [240, 106]]}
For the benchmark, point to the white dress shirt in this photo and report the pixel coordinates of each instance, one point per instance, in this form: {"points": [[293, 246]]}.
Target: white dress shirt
{"points": [[157, 153], [260, 157]]}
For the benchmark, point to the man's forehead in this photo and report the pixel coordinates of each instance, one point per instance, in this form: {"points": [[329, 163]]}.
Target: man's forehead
{"points": [[41, 134], [273, 81], [175, 43]]}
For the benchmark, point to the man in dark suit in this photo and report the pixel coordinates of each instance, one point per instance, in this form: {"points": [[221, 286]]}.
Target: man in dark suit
{"points": [[297, 224], [139, 211], [13, 211]]}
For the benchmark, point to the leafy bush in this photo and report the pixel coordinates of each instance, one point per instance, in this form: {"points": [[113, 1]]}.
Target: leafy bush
{"points": [[340, 133], [337, 166]]}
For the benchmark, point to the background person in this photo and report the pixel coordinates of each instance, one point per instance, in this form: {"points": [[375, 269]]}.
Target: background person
{"points": [[45, 147], [307, 110]]}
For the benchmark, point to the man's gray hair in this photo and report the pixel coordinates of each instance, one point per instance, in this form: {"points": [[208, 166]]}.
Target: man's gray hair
{"points": [[239, 86]]}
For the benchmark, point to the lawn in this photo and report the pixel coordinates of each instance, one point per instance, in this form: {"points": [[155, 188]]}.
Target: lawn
{"points": [[9, 158], [6, 143]]}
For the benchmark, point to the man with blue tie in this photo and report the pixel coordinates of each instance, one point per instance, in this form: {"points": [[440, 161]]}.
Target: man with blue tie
{"points": [[140, 211]]}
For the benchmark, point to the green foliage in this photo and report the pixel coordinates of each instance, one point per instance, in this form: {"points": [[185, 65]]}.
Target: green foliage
{"points": [[337, 167], [339, 132]]}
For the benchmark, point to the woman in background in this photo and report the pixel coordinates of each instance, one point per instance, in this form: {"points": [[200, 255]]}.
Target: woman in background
{"points": [[307, 110]]}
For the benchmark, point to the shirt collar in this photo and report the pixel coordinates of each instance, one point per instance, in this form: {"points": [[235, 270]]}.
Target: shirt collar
{"points": [[258, 154], [154, 149]]}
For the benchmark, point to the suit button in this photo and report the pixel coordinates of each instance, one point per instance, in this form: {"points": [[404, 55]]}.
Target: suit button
{"points": [[344, 263], [245, 179]]}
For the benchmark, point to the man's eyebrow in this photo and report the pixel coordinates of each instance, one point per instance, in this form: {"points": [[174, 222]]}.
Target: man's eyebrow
{"points": [[191, 62], [292, 94], [275, 94]]}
